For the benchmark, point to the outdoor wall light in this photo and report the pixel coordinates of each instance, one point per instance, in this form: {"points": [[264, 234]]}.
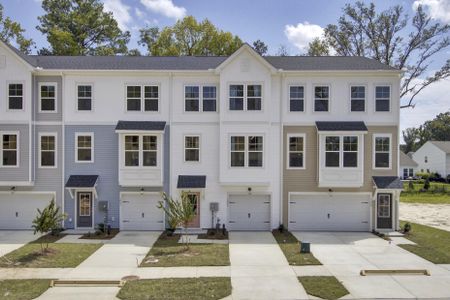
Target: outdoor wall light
{"points": [[330, 190], [142, 191], [249, 189], [13, 189]]}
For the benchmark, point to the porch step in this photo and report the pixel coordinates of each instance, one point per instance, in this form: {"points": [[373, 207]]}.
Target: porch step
{"points": [[90, 283], [394, 234], [395, 272]]}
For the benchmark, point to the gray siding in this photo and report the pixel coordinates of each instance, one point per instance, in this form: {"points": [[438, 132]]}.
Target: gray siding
{"points": [[22, 172], [37, 116]]}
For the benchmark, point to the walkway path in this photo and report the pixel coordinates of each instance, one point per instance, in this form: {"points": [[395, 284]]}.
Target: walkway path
{"points": [[259, 269], [434, 215]]}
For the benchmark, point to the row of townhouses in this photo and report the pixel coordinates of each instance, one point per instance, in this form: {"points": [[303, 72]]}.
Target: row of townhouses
{"points": [[307, 142]]}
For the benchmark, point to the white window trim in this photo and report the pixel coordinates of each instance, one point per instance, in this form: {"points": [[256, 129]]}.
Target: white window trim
{"points": [[289, 98], [141, 151], [200, 97], [302, 135], [350, 97], [91, 134], [244, 108], [2, 133], [142, 99], [246, 152], [341, 151], [314, 98], [199, 148], [23, 95], [375, 97], [388, 135], [92, 97], [40, 98], [55, 135]]}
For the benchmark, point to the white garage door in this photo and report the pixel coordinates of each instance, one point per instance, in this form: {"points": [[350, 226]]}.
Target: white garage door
{"points": [[17, 211], [249, 212], [140, 212], [329, 213]]}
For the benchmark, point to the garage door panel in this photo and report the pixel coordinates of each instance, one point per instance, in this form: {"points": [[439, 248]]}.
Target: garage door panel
{"points": [[141, 212], [249, 212]]}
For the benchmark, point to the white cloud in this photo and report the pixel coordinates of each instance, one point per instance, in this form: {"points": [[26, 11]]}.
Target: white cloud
{"points": [[139, 13], [301, 34], [165, 8], [120, 12], [437, 9]]}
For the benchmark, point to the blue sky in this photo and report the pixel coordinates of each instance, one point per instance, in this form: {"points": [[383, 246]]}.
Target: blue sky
{"points": [[277, 22]]}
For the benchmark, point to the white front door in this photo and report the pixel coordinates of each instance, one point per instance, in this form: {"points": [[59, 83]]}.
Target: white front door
{"points": [[141, 212], [249, 212]]}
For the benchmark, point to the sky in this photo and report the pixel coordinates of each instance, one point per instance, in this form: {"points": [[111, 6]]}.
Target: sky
{"points": [[292, 23]]}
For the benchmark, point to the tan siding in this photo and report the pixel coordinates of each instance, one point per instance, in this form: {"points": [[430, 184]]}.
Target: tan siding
{"points": [[307, 180]]}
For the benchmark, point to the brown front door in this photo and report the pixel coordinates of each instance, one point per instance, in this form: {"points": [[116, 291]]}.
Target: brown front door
{"points": [[84, 209], [194, 198]]}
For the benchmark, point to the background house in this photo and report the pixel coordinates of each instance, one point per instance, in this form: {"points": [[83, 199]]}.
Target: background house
{"points": [[408, 167], [433, 157]]}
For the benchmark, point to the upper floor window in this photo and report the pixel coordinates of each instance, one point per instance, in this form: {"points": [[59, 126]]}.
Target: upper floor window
{"points": [[296, 98], [341, 151], [47, 96], [321, 98], [142, 98], [382, 151], [141, 150], [200, 98], [15, 96], [47, 146], [426, 159], [192, 98], [358, 98], [9, 150], [296, 151], [382, 98], [192, 148], [245, 97], [350, 151], [246, 151], [332, 151], [209, 98], [84, 95], [84, 148]]}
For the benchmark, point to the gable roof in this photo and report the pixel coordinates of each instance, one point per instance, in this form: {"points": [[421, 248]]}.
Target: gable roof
{"points": [[405, 160], [388, 182], [442, 145]]}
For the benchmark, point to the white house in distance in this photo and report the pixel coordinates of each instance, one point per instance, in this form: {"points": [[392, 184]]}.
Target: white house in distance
{"points": [[408, 167], [433, 157]]}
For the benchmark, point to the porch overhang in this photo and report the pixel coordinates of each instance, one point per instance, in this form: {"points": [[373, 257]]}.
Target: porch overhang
{"points": [[191, 182], [387, 183], [82, 183]]}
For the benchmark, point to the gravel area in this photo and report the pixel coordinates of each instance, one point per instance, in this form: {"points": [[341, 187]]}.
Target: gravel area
{"points": [[435, 215]]}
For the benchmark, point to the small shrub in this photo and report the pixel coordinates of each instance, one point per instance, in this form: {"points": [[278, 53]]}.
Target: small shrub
{"points": [[423, 175], [407, 228], [411, 186], [426, 185], [48, 220]]}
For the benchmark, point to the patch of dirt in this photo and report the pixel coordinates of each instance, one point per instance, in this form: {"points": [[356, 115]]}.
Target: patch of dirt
{"points": [[434, 215]]}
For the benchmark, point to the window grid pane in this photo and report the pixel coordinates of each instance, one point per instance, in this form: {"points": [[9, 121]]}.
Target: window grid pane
{"points": [[48, 151], [358, 97], [382, 98], [192, 148], [84, 148], [255, 151], [15, 96], [48, 98], [236, 97], [209, 98], [151, 96], [132, 150], [150, 150], [332, 151], [192, 98], [296, 98], [350, 151], [382, 152], [9, 143], [133, 98], [296, 152], [321, 98], [237, 151]]}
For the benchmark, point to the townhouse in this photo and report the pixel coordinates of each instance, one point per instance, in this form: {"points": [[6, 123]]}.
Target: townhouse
{"points": [[307, 142]]}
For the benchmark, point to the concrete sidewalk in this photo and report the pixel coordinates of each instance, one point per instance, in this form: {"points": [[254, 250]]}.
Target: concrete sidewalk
{"points": [[11, 240]]}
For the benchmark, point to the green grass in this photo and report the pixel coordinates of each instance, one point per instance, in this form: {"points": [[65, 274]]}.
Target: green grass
{"points": [[57, 256], [425, 198], [23, 289], [432, 244], [177, 288], [291, 249], [169, 253], [325, 287]]}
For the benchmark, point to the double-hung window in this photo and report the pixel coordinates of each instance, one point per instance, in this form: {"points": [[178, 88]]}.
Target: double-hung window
{"points": [[332, 151], [245, 97], [350, 151], [296, 151], [382, 98], [15, 96], [47, 97], [321, 98], [149, 150], [151, 98], [382, 151], [134, 98], [84, 147], [84, 95], [246, 151], [209, 98], [200, 98], [141, 151], [192, 148], [192, 98], [142, 98], [9, 150], [296, 98], [341, 151], [357, 98], [47, 146]]}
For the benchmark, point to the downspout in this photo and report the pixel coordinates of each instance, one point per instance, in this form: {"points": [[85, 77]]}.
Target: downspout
{"points": [[63, 144], [281, 181]]}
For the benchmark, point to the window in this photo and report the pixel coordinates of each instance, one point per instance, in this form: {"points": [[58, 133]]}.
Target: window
{"points": [[84, 205], [321, 98], [191, 148], [15, 96], [197, 98], [382, 151], [9, 150], [209, 98], [47, 95], [296, 98], [151, 98], [141, 150], [84, 147], [341, 151], [407, 173], [192, 98], [245, 97], [142, 98], [47, 151], [246, 151], [84, 97], [296, 151], [384, 206], [426, 159], [358, 98], [332, 153], [133, 98], [382, 98], [350, 151]]}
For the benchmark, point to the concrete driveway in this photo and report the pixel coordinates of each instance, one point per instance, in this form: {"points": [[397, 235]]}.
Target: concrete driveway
{"points": [[344, 255], [11, 240]]}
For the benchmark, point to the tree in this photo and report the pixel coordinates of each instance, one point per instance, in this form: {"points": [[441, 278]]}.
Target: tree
{"points": [[318, 47], [134, 52], [188, 37], [282, 51], [11, 31], [260, 47], [363, 31], [47, 220], [81, 27]]}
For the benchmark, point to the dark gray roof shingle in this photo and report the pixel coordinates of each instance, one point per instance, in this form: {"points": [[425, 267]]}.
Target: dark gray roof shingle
{"points": [[81, 181], [387, 182], [141, 125], [443, 145], [341, 126], [191, 181]]}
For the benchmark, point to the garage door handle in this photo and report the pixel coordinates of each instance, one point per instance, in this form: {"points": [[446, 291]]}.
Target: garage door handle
{"points": [[143, 215], [292, 202], [328, 216], [126, 221], [17, 214], [292, 222], [232, 202], [231, 222], [249, 215]]}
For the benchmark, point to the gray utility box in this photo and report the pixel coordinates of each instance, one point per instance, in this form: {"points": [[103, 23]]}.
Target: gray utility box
{"points": [[304, 247], [214, 206]]}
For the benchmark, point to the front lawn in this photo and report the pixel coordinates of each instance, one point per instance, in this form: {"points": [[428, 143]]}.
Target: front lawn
{"points": [[425, 198], [325, 287], [23, 289], [177, 288], [432, 244], [167, 252], [291, 249], [58, 255]]}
